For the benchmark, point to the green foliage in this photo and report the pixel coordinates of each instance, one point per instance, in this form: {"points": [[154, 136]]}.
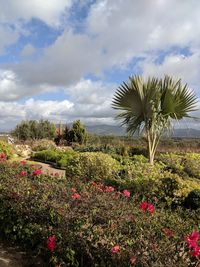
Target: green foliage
{"points": [[193, 199], [92, 166], [55, 156], [34, 130], [47, 155], [87, 229], [6, 148]]}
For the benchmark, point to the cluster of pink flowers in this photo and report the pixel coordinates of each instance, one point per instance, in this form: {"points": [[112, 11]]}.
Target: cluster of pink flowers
{"points": [[36, 172], [147, 207], [75, 194], [51, 243], [3, 156], [109, 189], [192, 242], [23, 162]]}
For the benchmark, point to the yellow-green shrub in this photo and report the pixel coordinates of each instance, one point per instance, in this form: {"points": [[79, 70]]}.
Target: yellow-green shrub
{"points": [[92, 165]]}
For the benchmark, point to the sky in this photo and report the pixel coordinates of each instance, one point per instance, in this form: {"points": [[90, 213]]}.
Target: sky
{"points": [[63, 60]]}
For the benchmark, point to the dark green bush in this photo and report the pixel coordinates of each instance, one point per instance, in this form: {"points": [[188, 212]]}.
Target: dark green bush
{"points": [[192, 201]]}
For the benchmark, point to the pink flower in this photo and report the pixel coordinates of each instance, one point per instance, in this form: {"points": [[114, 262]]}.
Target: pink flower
{"points": [[147, 207], [23, 162], [75, 196], [126, 193], [51, 243], [115, 249], [192, 239], [109, 189], [195, 251], [23, 173], [36, 172], [100, 187], [150, 208], [143, 205]]}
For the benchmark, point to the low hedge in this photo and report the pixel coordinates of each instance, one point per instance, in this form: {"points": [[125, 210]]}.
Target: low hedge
{"points": [[71, 223]]}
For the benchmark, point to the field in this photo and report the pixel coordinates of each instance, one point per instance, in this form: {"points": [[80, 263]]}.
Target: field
{"points": [[112, 208]]}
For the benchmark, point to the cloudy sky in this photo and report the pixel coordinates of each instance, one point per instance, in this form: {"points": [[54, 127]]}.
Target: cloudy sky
{"points": [[64, 59]]}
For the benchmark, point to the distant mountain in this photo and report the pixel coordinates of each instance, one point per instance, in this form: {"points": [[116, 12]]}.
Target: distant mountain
{"points": [[186, 133], [120, 131], [106, 130]]}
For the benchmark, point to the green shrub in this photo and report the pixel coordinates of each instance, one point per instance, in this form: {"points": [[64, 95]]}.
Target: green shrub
{"points": [[48, 155], [92, 165], [6, 148], [193, 199], [65, 158]]}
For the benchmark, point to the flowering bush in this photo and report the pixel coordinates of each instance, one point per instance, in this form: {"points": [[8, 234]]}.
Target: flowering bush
{"points": [[5, 149], [73, 223]]}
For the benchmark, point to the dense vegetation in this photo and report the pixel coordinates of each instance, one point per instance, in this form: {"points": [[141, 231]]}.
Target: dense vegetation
{"points": [[76, 223], [113, 208]]}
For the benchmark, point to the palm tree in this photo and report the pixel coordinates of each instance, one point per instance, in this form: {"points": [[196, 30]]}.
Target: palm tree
{"points": [[150, 106]]}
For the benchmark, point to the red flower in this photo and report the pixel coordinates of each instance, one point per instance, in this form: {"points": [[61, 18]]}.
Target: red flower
{"points": [[23, 162], [37, 172], [75, 196], [126, 193], [109, 189], [23, 173], [51, 243], [115, 249]]}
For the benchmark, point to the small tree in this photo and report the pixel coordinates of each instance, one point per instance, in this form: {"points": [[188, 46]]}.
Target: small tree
{"points": [[150, 106], [78, 133]]}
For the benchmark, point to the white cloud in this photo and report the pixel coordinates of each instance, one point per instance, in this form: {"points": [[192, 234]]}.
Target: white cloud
{"points": [[178, 66], [13, 88], [49, 11]]}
